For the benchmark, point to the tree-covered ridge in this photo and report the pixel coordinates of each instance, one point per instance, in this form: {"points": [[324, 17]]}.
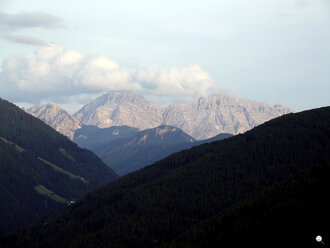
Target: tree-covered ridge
{"points": [[40, 169], [290, 214], [155, 205], [29, 132], [20, 203]]}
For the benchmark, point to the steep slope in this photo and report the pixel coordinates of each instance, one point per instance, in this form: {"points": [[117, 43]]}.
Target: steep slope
{"points": [[40, 169], [56, 117], [202, 119], [144, 148], [157, 204]]}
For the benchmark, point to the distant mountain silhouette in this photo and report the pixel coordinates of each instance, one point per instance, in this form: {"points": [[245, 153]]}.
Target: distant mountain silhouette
{"points": [[95, 138], [126, 149]]}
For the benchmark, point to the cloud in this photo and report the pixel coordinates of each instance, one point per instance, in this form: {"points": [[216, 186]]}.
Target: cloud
{"points": [[29, 20], [52, 73], [24, 39], [188, 81], [10, 23]]}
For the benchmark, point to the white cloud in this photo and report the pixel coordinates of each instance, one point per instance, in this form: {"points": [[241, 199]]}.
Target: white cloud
{"points": [[185, 81], [53, 73]]}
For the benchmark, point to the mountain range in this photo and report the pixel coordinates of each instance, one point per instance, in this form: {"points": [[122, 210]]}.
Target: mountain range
{"points": [[41, 171], [202, 119], [264, 188]]}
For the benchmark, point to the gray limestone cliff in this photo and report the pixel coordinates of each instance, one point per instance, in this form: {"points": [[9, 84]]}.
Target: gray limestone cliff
{"points": [[202, 119], [56, 117]]}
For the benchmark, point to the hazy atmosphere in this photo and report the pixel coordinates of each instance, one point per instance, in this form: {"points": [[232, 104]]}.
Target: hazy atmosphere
{"points": [[70, 52]]}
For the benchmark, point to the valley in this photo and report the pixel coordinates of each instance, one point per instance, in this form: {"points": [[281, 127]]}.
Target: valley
{"points": [[173, 201], [164, 124]]}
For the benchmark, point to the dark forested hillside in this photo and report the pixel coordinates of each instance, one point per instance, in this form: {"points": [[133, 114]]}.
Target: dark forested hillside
{"points": [[41, 171], [157, 204], [290, 214]]}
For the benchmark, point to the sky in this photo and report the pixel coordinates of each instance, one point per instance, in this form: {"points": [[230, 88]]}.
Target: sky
{"points": [[70, 52]]}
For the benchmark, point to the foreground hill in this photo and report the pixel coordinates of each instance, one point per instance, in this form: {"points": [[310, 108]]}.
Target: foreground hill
{"points": [[290, 214], [160, 202], [201, 119], [41, 171]]}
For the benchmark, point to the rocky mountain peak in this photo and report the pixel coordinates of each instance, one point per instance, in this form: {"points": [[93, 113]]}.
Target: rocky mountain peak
{"points": [[119, 108], [56, 117], [202, 119]]}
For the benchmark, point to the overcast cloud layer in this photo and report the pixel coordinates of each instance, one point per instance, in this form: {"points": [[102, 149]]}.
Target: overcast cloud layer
{"points": [[53, 73]]}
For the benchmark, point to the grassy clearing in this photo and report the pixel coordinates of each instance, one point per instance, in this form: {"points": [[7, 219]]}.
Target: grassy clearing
{"points": [[59, 169], [41, 189], [18, 148]]}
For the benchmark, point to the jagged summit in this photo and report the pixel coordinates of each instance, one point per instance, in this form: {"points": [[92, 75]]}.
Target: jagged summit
{"points": [[118, 108], [220, 113], [203, 118]]}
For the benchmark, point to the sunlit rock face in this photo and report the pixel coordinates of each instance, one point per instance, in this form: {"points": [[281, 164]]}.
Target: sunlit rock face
{"points": [[56, 117], [203, 118]]}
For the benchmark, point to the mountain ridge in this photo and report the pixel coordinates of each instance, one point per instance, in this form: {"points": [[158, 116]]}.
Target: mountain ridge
{"points": [[140, 148], [137, 150], [202, 118]]}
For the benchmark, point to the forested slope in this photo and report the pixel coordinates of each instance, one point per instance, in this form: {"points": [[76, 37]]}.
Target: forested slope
{"points": [[41, 171], [160, 202], [290, 214]]}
